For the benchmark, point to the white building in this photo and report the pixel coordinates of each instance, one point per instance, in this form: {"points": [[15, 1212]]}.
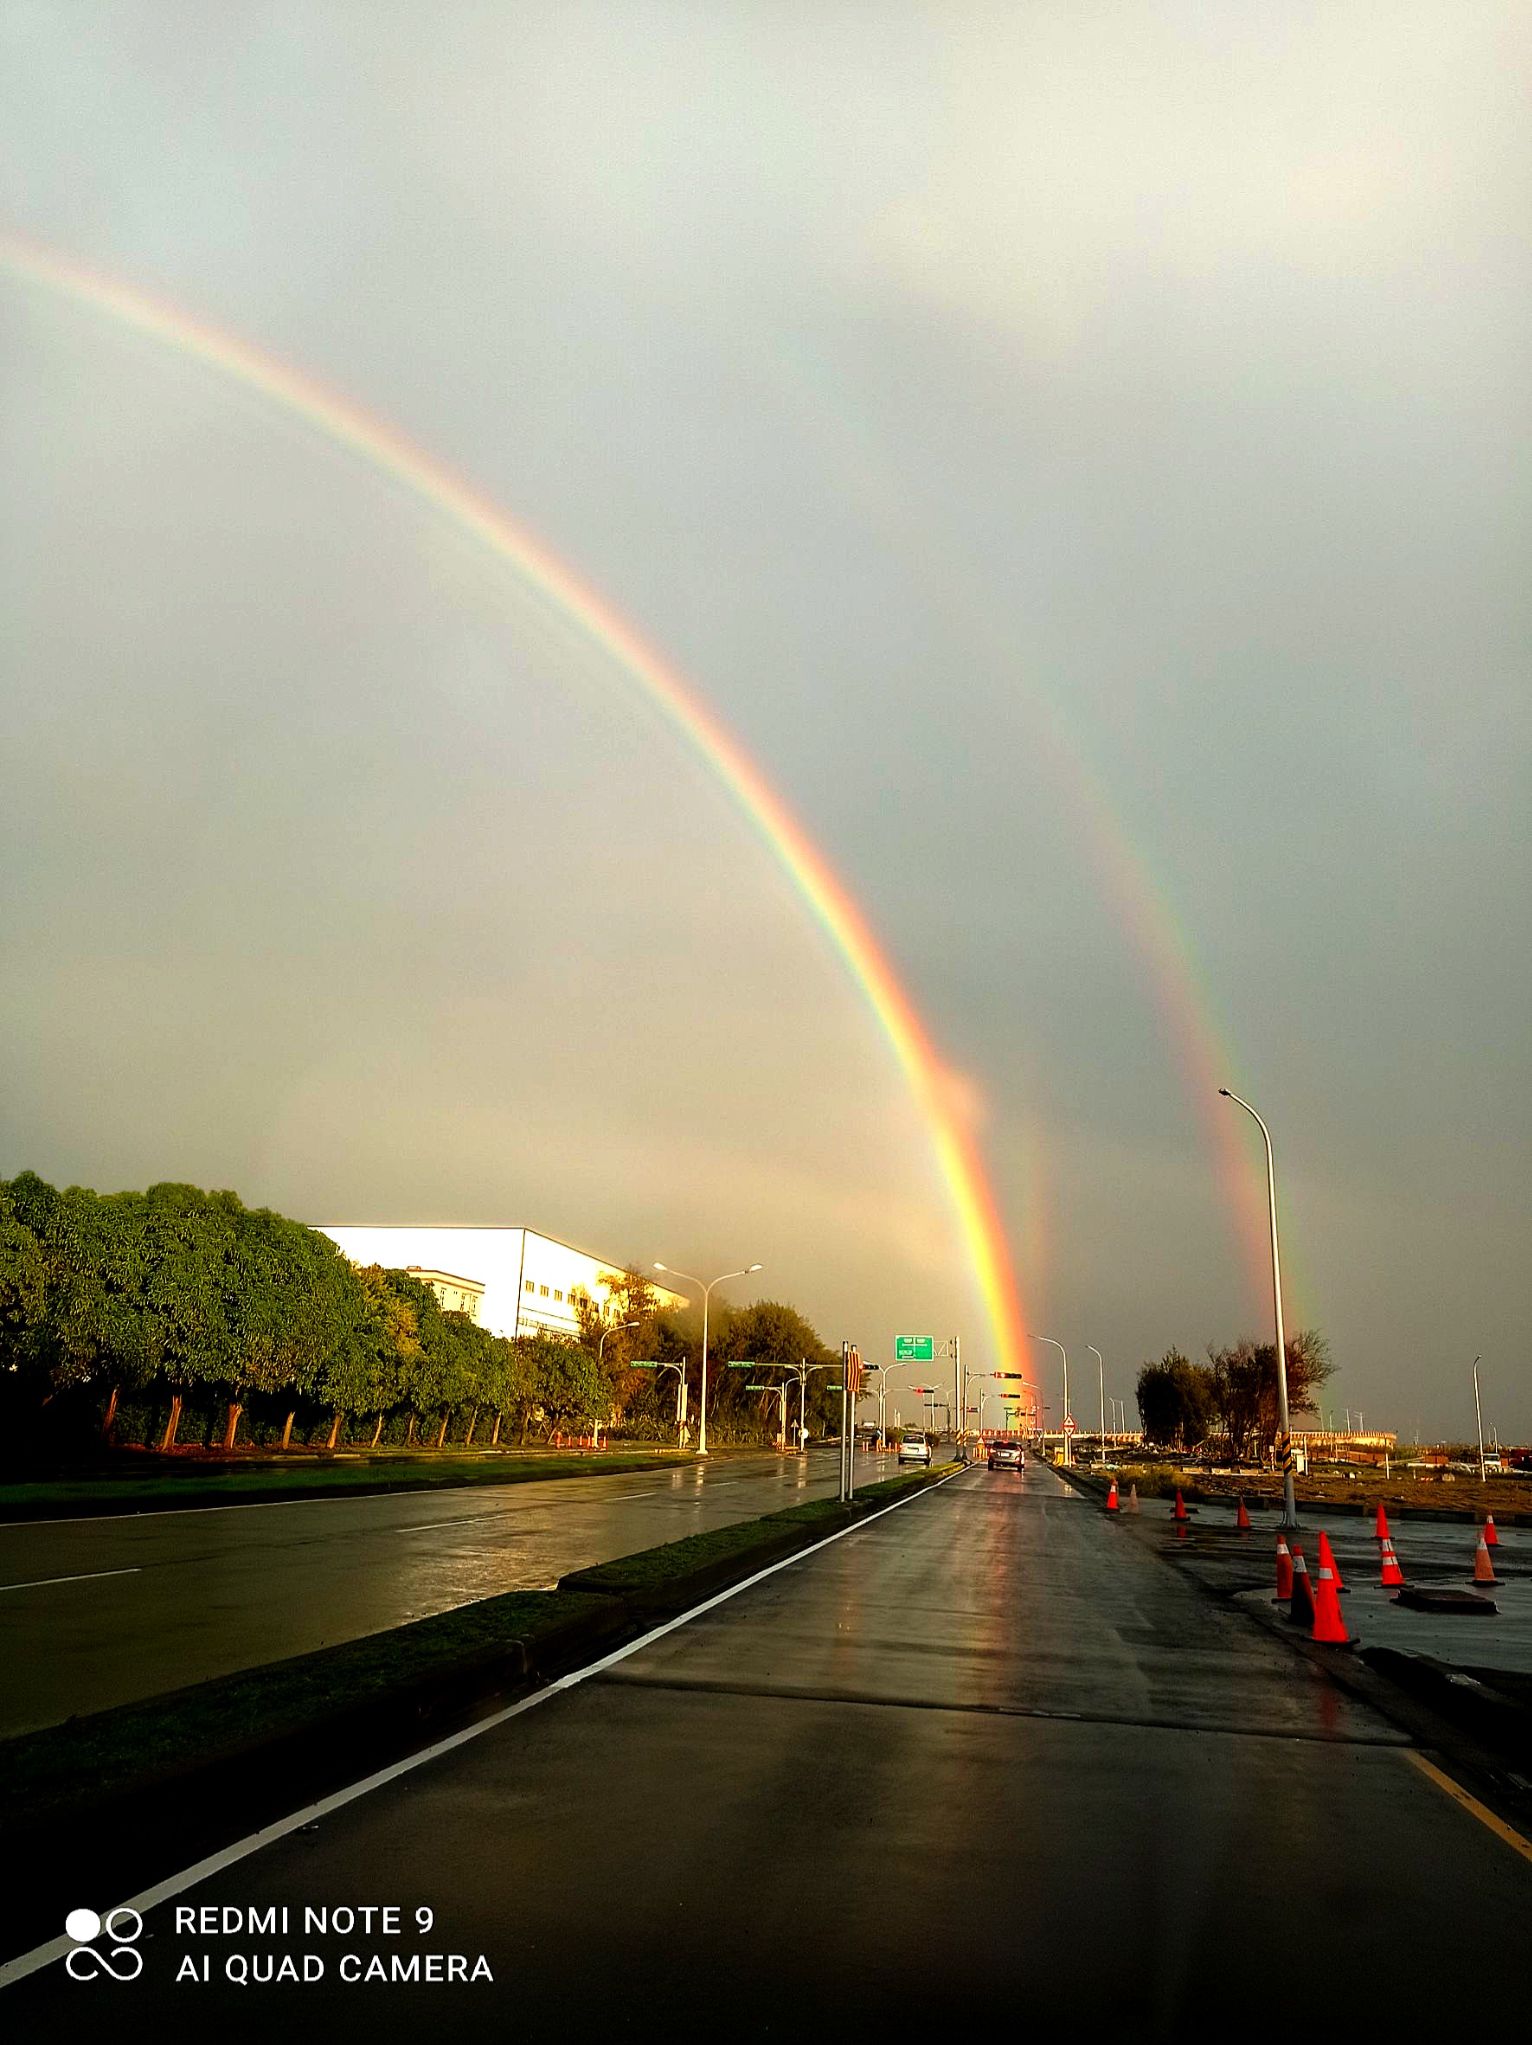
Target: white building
{"points": [[526, 1281], [454, 1295]]}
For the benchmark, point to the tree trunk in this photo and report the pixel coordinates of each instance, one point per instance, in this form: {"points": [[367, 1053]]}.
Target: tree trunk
{"points": [[377, 1432], [334, 1431], [409, 1439], [473, 1421], [172, 1423], [111, 1415], [441, 1438], [287, 1429], [231, 1427], [494, 1440]]}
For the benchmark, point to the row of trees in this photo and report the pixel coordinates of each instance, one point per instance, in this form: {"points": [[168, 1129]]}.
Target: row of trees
{"points": [[176, 1315], [1233, 1394]]}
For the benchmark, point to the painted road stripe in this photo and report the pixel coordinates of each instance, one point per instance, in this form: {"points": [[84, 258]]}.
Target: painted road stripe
{"points": [[1471, 1804], [84, 1576], [177, 1884]]}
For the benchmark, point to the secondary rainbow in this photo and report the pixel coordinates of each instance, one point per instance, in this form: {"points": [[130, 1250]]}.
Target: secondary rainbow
{"points": [[371, 440]]}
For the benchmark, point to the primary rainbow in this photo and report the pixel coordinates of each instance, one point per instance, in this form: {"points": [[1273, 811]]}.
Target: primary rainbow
{"points": [[345, 423]]}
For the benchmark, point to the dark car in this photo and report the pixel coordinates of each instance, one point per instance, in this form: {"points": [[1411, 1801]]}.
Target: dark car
{"points": [[1006, 1455]]}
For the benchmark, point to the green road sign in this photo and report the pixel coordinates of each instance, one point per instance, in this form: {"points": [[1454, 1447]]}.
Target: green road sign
{"points": [[914, 1348]]}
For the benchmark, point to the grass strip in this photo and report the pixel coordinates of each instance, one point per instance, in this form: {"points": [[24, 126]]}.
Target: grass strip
{"points": [[49, 1775], [161, 1491], [85, 1759], [653, 1570], [1507, 1498]]}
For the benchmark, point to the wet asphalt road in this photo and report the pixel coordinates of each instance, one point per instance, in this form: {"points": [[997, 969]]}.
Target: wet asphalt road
{"points": [[982, 1762], [149, 1602]]}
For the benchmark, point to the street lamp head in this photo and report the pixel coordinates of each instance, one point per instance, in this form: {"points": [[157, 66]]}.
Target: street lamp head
{"points": [[754, 1267], [662, 1267], [1224, 1092]]}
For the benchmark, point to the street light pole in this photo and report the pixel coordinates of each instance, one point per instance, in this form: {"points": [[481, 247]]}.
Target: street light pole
{"points": [[600, 1356], [1101, 1388], [707, 1293], [1289, 1500], [612, 1330], [1068, 1458], [1478, 1419], [680, 1371]]}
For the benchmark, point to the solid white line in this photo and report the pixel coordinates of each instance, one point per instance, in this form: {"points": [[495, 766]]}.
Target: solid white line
{"points": [[84, 1576], [177, 1884]]}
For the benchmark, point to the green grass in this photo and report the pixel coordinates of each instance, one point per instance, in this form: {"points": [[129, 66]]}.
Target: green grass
{"points": [[654, 1569], [157, 1490], [77, 1762], [47, 1775]]}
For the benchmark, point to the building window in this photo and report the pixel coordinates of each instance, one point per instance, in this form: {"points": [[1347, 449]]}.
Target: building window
{"points": [[543, 1290], [528, 1286], [558, 1295]]}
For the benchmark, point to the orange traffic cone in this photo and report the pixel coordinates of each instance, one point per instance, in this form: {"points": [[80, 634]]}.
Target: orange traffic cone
{"points": [[1132, 1498], [1284, 1573], [1483, 1568], [1111, 1497], [1380, 1524], [1301, 1610], [1178, 1510], [1393, 1576], [1242, 1518], [1491, 1538], [1329, 1626]]}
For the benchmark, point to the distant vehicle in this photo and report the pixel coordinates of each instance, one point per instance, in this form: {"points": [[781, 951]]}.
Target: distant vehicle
{"points": [[1006, 1455], [914, 1447]]}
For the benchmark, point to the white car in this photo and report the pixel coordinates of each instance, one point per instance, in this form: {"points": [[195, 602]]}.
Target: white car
{"points": [[914, 1447]]}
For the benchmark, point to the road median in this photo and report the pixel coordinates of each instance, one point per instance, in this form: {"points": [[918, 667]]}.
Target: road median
{"points": [[145, 1788]]}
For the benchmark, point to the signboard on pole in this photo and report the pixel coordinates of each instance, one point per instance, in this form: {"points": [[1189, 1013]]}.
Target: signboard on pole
{"points": [[1069, 1425], [914, 1348]]}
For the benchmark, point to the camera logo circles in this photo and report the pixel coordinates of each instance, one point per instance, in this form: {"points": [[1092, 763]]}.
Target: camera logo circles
{"points": [[120, 1962]]}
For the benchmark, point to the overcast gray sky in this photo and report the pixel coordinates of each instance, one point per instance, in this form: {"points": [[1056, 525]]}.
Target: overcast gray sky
{"points": [[980, 405]]}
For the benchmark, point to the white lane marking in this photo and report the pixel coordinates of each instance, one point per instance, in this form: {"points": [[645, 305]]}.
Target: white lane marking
{"points": [[85, 1576], [177, 1884]]}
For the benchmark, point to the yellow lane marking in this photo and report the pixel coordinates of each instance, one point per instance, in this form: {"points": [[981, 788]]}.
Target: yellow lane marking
{"points": [[1471, 1804]]}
